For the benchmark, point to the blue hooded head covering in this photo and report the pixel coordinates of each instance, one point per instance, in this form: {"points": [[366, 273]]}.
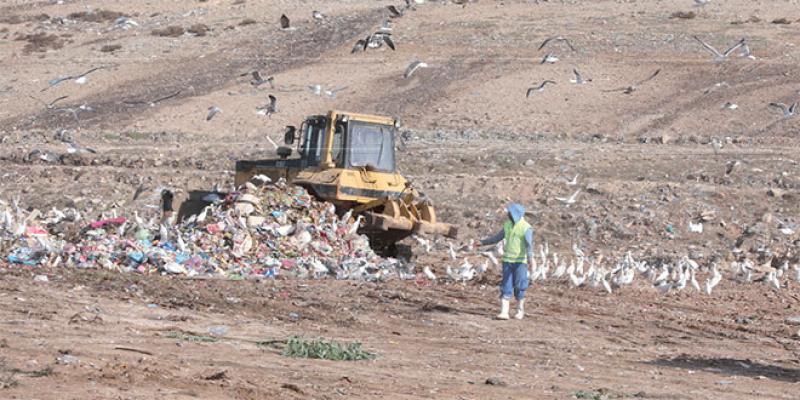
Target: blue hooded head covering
{"points": [[516, 210]]}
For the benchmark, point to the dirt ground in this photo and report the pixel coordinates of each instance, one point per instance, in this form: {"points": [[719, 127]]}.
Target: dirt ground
{"points": [[648, 162]]}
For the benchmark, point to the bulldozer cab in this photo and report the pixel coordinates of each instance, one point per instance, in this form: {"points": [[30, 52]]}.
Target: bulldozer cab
{"points": [[346, 141]]}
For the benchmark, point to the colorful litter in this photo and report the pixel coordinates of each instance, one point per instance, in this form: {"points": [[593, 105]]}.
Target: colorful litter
{"points": [[276, 229]]}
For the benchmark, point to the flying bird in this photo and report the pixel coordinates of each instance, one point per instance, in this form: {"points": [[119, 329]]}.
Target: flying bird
{"points": [[632, 88], [574, 180], [557, 39], [579, 80], [79, 79], [316, 89], [385, 27], [139, 190], [717, 55], [361, 45], [788, 111], [331, 93], [284, 21], [549, 59], [51, 104], [539, 88], [396, 13], [75, 148], [75, 111], [413, 67], [270, 108], [258, 80], [212, 111], [387, 39], [373, 41], [730, 165], [569, 200]]}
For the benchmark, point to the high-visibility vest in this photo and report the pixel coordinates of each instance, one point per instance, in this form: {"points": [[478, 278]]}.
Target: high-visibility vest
{"points": [[515, 249]]}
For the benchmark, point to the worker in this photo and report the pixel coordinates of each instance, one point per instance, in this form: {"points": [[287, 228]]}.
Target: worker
{"points": [[517, 255], [166, 205]]}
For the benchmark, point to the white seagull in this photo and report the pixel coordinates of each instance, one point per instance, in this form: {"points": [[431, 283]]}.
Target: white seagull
{"points": [[569, 200], [413, 67], [539, 88], [579, 80], [788, 111], [717, 55]]}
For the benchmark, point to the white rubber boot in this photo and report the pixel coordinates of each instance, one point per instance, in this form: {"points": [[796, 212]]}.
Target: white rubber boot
{"points": [[520, 310], [504, 306]]}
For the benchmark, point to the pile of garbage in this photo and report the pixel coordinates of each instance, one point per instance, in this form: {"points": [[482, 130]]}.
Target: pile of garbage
{"points": [[261, 231]]}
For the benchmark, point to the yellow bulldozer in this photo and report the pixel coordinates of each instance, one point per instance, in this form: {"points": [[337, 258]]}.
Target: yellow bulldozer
{"points": [[348, 160]]}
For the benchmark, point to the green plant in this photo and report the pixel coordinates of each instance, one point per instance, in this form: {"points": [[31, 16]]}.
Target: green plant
{"points": [[325, 350]]}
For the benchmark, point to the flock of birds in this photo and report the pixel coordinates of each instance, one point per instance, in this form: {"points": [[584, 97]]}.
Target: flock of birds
{"points": [[383, 36], [741, 46], [380, 37], [581, 270]]}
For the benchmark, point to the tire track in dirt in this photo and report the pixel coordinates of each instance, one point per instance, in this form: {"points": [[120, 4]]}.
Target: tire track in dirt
{"points": [[285, 51]]}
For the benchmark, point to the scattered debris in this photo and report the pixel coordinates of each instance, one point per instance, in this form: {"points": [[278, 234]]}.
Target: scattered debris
{"points": [[170, 31], [495, 382], [683, 15], [96, 16], [292, 387], [147, 353], [198, 29], [40, 42], [110, 48], [217, 376]]}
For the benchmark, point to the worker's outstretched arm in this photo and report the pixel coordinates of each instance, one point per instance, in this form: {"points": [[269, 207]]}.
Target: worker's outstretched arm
{"points": [[494, 239], [529, 241]]}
